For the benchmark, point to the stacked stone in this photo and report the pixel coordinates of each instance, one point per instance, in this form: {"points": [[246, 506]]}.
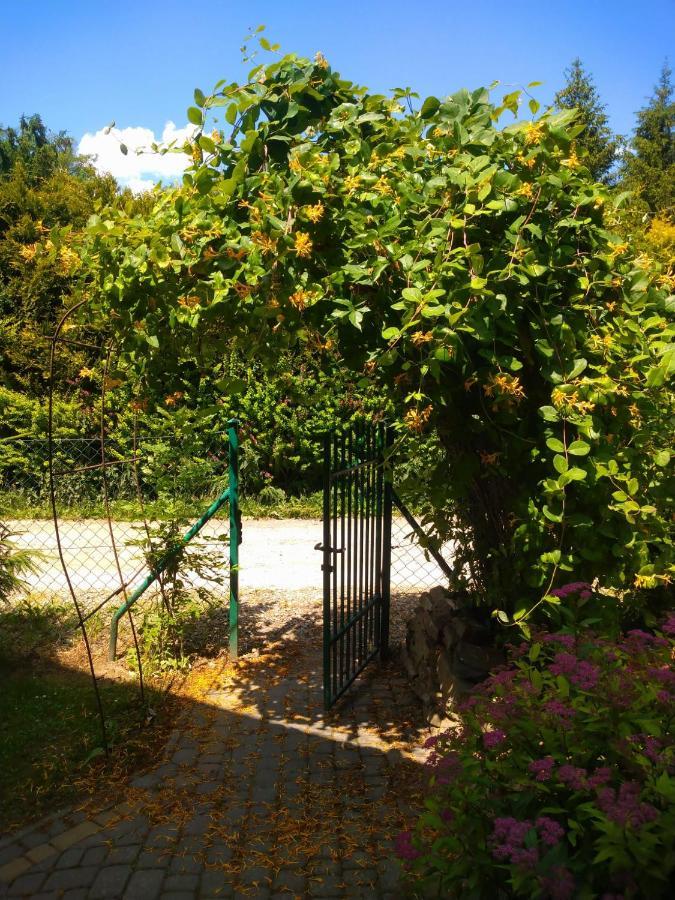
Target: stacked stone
{"points": [[446, 652]]}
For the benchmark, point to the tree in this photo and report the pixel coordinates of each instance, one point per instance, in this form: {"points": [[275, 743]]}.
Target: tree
{"points": [[597, 139], [47, 193], [649, 166], [465, 266]]}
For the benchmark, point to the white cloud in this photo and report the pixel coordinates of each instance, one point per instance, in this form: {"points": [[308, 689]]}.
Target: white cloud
{"points": [[137, 170]]}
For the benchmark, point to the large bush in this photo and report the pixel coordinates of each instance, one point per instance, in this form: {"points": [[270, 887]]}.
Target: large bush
{"points": [[465, 265], [559, 782]]}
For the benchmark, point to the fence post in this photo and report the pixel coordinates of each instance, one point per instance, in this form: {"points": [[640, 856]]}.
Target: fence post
{"points": [[235, 535], [386, 542]]}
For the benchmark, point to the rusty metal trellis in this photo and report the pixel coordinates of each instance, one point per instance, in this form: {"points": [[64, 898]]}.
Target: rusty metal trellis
{"points": [[357, 507]]}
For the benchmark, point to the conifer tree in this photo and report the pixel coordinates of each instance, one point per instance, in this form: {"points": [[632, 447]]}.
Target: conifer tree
{"points": [[597, 139], [649, 166]]}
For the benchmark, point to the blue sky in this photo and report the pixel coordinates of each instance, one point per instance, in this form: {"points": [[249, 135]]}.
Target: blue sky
{"points": [[83, 63]]}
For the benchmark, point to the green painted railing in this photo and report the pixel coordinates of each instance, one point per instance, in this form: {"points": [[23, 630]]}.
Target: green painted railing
{"points": [[231, 495]]}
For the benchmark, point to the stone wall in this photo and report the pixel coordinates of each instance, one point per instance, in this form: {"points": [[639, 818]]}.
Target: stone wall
{"points": [[447, 651]]}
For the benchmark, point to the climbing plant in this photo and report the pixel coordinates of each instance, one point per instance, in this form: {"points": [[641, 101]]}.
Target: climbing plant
{"points": [[463, 263]]}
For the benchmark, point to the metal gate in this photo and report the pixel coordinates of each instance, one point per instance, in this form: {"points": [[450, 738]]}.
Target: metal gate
{"points": [[357, 504]]}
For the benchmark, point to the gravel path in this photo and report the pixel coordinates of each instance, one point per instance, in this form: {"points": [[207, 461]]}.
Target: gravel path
{"points": [[275, 553]]}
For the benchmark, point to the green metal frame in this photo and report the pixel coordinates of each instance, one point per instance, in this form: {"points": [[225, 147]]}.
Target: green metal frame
{"points": [[357, 513], [231, 494]]}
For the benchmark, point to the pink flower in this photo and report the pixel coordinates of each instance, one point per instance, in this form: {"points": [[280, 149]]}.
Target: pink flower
{"points": [[550, 832], [559, 885], [573, 777], [542, 768], [493, 738], [565, 640], [668, 626], [404, 847], [625, 807], [559, 709]]}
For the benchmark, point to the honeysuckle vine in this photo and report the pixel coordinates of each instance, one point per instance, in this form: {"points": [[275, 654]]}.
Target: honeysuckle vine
{"points": [[465, 264]]}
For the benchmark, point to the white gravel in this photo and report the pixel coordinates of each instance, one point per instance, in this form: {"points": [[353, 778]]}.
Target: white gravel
{"points": [[277, 554]]}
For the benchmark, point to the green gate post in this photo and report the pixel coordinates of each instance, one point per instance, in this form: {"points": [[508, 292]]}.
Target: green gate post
{"points": [[235, 535], [386, 544]]}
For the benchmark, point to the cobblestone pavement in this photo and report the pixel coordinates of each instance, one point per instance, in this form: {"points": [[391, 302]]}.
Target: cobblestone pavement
{"points": [[258, 793]]}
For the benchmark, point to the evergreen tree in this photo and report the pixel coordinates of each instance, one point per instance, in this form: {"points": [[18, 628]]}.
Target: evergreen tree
{"points": [[649, 167], [597, 138]]}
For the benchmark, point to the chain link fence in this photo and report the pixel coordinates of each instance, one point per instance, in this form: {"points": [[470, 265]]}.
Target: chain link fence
{"points": [[112, 512], [415, 569]]}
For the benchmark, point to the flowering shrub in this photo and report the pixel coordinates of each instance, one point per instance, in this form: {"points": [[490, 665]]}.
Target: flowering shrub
{"points": [[560, 782]]}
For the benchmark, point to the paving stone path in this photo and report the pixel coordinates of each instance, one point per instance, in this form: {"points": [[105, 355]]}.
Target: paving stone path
{"points": [[258, 793]]}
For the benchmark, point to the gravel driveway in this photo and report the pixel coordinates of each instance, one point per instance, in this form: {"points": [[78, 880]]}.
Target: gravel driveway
{"points": [[275, 553]]}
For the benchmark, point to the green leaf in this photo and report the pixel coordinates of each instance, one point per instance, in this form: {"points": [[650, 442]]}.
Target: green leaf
{"points": [[124, 149], [662, 457], [556, 445], [549, 413], [560, 464], [194, 115], [534, 106], [577, 474], [579, 448], [200, 98], [153, 340], [430, 107], [577, 368]]}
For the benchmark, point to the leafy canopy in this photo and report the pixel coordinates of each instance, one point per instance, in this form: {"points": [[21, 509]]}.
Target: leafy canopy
{"points": [[465, 266]]}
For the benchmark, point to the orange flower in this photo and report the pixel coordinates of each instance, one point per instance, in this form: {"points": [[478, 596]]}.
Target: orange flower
{"points": [[416, 420], [422, 337], [303, 244], [264, 241], [315, 213]]}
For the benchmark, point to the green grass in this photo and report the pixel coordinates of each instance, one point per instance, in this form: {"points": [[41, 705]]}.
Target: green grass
{"points": [[50, 733], [18, 506]]}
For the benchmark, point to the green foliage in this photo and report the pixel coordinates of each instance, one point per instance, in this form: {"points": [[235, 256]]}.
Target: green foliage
{"points": [[47, 194], [465, 268], [183, 620], [559, 782], [597, 139], [649, 167], [14, 563]]}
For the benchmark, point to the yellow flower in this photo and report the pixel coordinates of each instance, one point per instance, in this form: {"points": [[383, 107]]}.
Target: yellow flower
{"points": [[264, 241], [534, 132], [645, 581], [314, 213], [86, 373], [504, 384], [28, 251], [188, 302], [303, 244], [197, 154], [422, 337], [320, 60], [643, 261], [216, 136], [299, 299], [572, 162], [295, 165], [352, 182], [382, 186], [661, 233], [68, 260], [558, 397], [526, 190], [416, 420]]}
